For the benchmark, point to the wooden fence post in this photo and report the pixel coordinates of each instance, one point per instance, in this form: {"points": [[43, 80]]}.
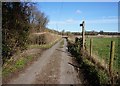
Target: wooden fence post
{"points": [[112, 52], [38, 39], [91, 47]]}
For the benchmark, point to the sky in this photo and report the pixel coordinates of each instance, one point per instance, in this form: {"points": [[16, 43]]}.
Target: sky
{"points": [[69, 15]]}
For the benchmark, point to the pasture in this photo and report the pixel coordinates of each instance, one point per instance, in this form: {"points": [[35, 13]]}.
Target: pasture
{"points": [[101, 49]]}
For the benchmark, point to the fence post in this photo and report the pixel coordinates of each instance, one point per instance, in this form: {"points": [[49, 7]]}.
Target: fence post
{"points": [[91, 47], [112, 51]]}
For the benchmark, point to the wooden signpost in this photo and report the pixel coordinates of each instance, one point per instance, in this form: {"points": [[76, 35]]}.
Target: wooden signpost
{"points": [[83, 34]]}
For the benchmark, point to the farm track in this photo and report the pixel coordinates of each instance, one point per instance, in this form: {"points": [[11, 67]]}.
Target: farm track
{"points": [[51, 68]]}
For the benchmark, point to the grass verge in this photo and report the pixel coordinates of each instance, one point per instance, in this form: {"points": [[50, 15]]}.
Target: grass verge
{"points": [[12, 66], [91, 73]]}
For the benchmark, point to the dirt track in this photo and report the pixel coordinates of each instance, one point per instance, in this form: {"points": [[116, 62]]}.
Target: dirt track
{"points": [[51, 68]]}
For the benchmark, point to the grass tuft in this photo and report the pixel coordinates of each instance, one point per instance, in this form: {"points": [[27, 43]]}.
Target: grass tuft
{"points": [[62, 44]]}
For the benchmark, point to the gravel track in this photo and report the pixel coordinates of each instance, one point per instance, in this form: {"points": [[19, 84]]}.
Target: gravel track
{"points": [[51, 68]]}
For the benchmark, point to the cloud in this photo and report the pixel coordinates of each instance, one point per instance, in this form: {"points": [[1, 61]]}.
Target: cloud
{"points": [[56, 22], [78, 12], [64, 22], [105, 20], [71, 21], [109, 17]]}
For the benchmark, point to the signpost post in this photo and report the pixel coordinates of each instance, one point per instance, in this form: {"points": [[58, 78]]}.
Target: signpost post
{"points": [[83, 34]]}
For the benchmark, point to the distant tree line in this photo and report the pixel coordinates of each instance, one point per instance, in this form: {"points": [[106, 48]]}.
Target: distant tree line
{"points": [[96, 33], [19, 19]]}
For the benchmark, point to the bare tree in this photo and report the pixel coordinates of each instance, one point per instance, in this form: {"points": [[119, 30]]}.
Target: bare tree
{"points": [[38, 19]]}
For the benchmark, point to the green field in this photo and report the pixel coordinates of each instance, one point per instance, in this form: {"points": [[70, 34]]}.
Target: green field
{"points": [[101, 48]]}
